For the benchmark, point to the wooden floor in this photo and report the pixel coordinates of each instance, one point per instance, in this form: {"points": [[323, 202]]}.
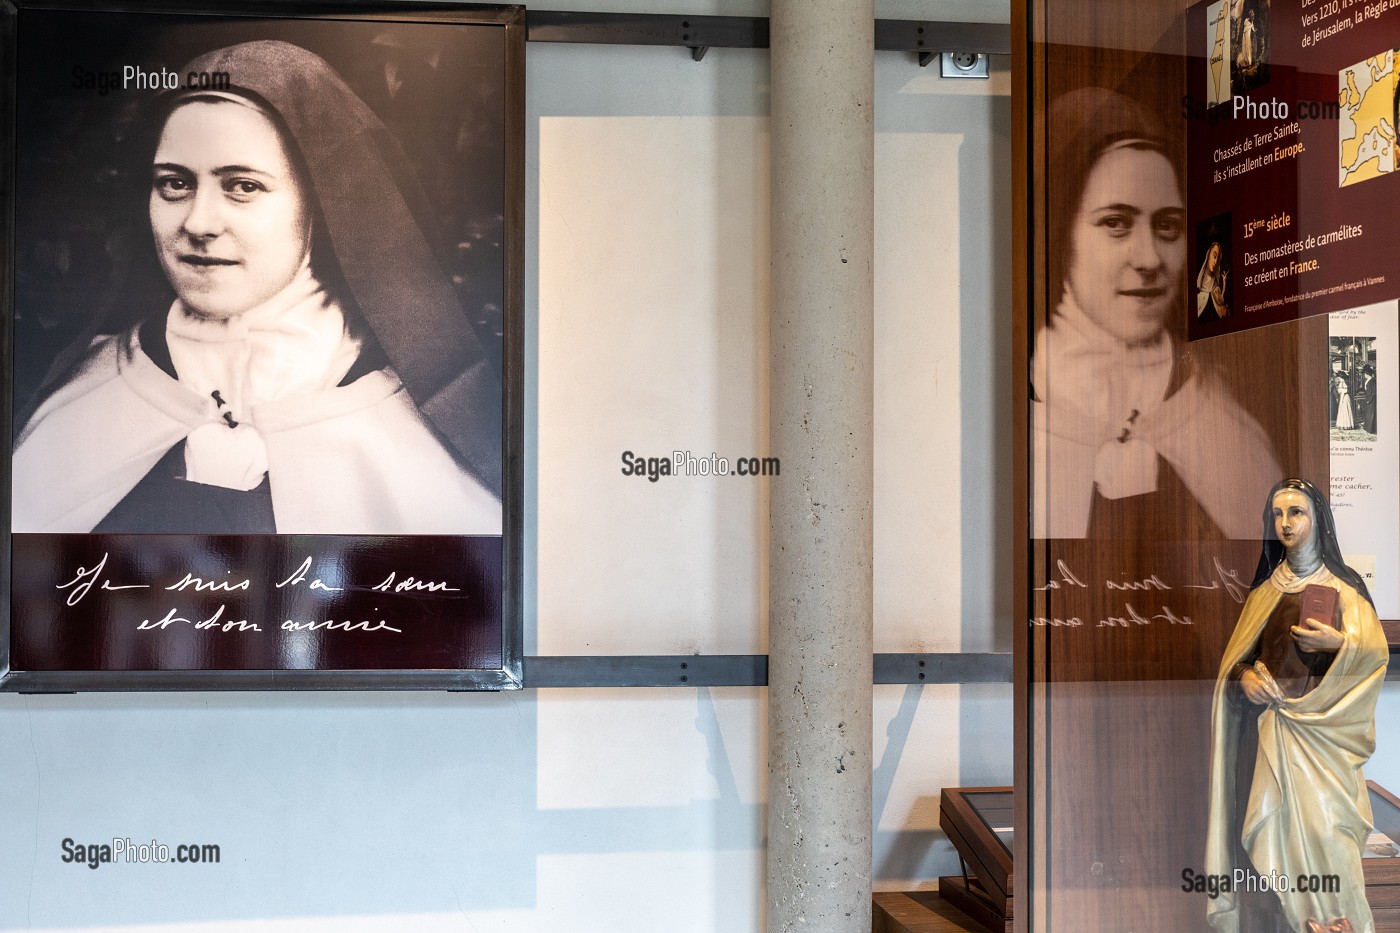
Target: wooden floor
{"points": [[918, 912]]}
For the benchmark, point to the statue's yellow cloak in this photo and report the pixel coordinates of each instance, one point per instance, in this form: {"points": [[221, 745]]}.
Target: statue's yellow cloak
{"points": [[1308, 813]]}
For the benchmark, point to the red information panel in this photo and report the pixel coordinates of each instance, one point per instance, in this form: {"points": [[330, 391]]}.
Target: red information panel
{"points": [[1290, 109]]}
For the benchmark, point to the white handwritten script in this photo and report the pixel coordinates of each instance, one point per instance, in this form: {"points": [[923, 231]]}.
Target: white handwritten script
{"points": [[1064, 578], [95, 579]]}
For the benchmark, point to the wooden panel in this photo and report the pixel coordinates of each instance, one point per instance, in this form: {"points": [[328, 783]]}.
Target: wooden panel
{"points": [[918, 912], [1381, 872], [971, 898], [1387, 920]]}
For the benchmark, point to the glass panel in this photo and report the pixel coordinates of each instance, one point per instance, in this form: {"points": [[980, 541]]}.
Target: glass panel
{"points": [[1213, 310], [994, 809]]}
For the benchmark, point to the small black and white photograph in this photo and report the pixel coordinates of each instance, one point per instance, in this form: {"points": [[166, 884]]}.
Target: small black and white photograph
{"points": [[1351, 389], [1214, 285], [261, 275], [1250, 43]]}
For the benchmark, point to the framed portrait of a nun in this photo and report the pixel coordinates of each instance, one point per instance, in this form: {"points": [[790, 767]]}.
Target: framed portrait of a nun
{"points": [[262, 350]]}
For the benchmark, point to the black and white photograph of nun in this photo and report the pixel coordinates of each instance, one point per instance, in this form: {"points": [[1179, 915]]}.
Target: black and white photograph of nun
{"points": [[263, 314]]}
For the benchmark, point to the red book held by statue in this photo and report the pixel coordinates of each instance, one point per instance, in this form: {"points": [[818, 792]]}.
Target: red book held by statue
{"points": [[1320, 602]]}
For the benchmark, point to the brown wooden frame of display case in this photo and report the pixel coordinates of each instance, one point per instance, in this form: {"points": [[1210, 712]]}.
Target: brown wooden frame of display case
{"points": [[979, 848], [967, 894]]}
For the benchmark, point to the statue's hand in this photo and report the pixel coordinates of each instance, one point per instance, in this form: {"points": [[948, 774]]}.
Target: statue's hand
{"points": [[1255, 690], [1316, 637]]}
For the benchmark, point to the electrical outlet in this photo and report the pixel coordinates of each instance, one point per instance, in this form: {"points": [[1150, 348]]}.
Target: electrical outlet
{"points": [[964, 65]]}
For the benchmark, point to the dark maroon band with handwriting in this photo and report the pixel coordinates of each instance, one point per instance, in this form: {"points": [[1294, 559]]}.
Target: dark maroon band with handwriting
{"points": [[255, 602]]}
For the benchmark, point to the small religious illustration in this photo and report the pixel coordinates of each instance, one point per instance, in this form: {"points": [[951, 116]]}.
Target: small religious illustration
{"points": [[1292, 722], [1213, 285], [1250, 41]]}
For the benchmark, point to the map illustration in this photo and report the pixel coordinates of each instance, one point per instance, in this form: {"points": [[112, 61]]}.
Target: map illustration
{"points": [[1217, 53], [1366, 129]]}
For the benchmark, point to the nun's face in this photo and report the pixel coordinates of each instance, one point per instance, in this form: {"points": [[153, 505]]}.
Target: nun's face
{"points": [[1126, 244], [1293, 518], [228, 209]]}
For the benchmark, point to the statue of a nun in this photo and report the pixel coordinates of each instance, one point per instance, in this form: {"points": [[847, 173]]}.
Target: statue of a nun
{"points": [[1292, 722]]}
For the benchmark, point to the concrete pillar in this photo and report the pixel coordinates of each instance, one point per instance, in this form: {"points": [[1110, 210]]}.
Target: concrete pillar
{"points": [[819, 640]]}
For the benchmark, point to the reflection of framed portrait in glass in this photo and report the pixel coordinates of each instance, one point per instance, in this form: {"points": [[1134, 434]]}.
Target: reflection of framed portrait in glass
{"points": [[265, 349]]}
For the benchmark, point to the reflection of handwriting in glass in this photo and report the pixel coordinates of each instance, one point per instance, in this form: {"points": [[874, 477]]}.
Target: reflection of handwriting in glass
{"points": [[1221, 577], [1071, 622], [1065, 578], [1137, 618], [1151, 583], [1229, 579], [1133, 617]]}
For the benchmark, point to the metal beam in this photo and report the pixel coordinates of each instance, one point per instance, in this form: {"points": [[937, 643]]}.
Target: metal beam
{"points": [[684, 670], [723, 670], [699, 33], [930, 36], [943, 668], [730, 32], [749, 670]]}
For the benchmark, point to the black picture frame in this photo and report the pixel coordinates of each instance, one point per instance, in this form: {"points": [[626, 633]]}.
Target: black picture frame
{"points": [[462, 613]]}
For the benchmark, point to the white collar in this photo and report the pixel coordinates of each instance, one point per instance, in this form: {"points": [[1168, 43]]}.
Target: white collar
{"points": [[1079, 364], [1287, 581], [292, 345]]}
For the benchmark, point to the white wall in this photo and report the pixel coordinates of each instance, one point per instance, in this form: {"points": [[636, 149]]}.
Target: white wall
{"points": [[617, 810]]}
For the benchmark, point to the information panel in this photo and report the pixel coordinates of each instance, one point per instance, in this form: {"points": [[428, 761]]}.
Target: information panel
{"points": [[1290, 116]]}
